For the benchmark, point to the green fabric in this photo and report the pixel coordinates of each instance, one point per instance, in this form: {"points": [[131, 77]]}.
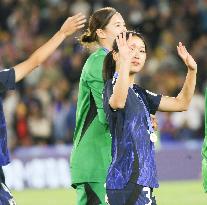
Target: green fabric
{"points": [[91, 156], [204, 149], [98, 188]]}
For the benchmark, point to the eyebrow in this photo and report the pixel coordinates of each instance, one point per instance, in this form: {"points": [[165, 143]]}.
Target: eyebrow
{"points": [[139, 46], [119, 22]]}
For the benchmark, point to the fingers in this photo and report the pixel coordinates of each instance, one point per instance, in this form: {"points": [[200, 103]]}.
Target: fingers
{"points": [[78, 17], [182, 49], [118, 42], [121, 40], [186, 57], [79, 20], [154, 122], [82, 22]]}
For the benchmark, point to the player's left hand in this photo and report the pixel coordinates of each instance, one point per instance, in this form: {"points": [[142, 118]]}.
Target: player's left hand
{"points": [[186, 57], [72, 24], [154, 122]]}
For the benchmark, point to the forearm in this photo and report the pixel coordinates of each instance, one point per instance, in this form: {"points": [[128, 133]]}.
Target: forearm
{"points": [[39, 56], [188, 89], [120, 90]]}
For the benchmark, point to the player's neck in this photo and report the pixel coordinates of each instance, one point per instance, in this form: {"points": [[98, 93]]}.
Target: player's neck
{"points": [[106, 45]]}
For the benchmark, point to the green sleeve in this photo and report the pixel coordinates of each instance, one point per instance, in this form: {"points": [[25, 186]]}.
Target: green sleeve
{"points": [[204, 149], [95, 82]]}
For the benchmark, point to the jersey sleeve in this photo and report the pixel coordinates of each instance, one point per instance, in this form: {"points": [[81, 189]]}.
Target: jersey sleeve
{"points": [[7, 80], [153, 101], [95, 82]]}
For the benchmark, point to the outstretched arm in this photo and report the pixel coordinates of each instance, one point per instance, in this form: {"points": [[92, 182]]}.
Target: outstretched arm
{"points": [[120, 90], [182, 101], [71, 25]]}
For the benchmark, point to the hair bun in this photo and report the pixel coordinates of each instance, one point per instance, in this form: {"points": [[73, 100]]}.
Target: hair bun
{"points": [[86, 38]]}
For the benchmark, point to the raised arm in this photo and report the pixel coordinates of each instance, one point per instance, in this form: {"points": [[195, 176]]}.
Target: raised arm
{"points": [[71, 25], [120, 90], [182, 101]]}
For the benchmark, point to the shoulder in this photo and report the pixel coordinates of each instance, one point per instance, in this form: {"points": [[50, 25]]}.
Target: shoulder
{"points": [[4, 71], [7, 74], [7, 79], [94, 63], [144, 91]]}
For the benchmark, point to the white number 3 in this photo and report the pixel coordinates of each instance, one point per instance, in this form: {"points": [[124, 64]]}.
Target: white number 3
{"points": [[147, 189]]}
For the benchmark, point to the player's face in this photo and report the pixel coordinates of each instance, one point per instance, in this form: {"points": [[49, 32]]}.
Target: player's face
{"points": [[138, 52], [115, 26]]}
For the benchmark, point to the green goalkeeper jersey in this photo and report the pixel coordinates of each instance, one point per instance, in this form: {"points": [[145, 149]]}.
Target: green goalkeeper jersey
{"points": [[91, 154]]}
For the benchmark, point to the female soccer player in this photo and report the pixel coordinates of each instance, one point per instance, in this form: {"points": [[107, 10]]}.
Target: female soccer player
{"points": [[132, 173], [91, 153], [8, 78]]}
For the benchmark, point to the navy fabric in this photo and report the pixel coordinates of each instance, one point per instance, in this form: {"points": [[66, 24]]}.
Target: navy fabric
{"points": [[129, 130], [7, 82], [6, 197], [132, 194]]}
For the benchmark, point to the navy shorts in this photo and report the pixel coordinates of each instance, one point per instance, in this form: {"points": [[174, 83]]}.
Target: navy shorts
{"points": [[6, 197], [132, 194]]}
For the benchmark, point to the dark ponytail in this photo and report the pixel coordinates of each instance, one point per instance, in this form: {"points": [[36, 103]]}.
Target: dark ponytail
{"points": [[86, 38], [109, 65]]}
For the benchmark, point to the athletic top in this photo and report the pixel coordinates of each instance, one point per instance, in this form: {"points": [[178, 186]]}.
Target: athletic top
{"points": [[130, 138], [7, 82], [91, 154]]}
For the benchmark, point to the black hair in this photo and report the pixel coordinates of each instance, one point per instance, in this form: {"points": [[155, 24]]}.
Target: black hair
{"points": [[98, 20], [109, 64]]}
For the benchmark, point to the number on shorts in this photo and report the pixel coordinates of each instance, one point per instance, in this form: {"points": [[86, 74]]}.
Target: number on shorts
{"points": [[147, 189]]}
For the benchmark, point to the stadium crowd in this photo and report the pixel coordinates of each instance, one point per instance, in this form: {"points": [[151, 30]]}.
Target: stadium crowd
{"points": [[42, 111]]}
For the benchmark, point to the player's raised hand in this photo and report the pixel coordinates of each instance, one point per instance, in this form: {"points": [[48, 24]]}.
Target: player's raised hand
{"points": [[72, 24], [124, 50], [186, 57]]}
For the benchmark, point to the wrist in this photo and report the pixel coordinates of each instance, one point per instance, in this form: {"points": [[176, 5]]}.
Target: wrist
{"points": [[194, 71], [62, 33]]}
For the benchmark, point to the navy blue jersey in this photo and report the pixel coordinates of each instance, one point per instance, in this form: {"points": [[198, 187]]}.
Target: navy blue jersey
{"points": [[7, 82], [131, 139]]}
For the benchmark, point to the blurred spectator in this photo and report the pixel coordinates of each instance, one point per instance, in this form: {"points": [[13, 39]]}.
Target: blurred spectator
{"points": [[71, 117], [21, 125], [60, 109], [39, 125]]}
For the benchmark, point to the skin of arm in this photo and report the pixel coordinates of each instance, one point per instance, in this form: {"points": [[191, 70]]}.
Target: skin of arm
{"points": [[71, 25], [120, 90], [182, 101]]}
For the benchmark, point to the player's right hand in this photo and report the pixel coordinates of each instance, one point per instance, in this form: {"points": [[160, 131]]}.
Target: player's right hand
{"points": [[72, 24]]}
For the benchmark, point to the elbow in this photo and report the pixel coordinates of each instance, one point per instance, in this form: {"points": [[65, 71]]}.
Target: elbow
{"points": [[117, 104], [185, 107], [183, 103], [120, 105]]}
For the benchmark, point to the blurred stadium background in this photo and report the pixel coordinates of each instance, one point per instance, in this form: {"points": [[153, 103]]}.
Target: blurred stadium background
{"points": [[41, 112]]}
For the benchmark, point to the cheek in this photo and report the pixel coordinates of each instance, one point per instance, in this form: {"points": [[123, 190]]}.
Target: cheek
{"points": [[144, 58], [114, 32]]}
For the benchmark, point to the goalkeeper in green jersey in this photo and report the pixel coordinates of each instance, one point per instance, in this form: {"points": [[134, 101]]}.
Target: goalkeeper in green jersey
{"points": [[91, 154]]}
